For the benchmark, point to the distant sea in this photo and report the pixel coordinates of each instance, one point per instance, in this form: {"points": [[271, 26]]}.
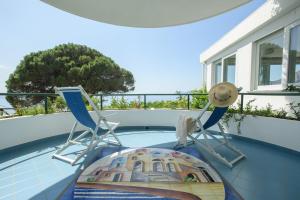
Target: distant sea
{"points": [[5, 104]]}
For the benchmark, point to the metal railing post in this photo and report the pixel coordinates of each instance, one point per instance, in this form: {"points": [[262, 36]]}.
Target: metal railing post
{"points": [[242, 103], [188, 101], [145, 102], [46, 104], [101, 102]]}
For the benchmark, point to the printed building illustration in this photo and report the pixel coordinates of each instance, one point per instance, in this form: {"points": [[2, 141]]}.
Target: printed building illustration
{"points": [[151, 165]]}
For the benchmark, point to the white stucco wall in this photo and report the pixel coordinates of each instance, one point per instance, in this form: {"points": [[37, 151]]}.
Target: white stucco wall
{"points": [[20, 130], [243, 67], [209, 77], [280, 132], [277, 102]]}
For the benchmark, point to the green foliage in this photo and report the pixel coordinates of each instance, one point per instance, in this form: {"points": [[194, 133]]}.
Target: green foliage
{"points": [[59, 104], [32, 110], [136, 104], [295, 108], [36, 109], [281, 114], [123, 103], [66, 65], [292, 88], [234, 113], [95, 100], [56, 105], [120, 103], [181, 102], [199, 101], [168, 104]]}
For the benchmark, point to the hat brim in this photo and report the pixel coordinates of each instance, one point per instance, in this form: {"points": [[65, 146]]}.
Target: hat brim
{"points": [[233, 95]]}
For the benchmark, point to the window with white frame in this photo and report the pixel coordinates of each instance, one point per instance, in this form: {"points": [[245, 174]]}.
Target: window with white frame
{"points": [[270, 52], [294, 56], [224, 70], [229, 69], [217, 72]]}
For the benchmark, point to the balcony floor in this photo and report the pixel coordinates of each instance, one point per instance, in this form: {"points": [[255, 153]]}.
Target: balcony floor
{"points": [[28, 172]]}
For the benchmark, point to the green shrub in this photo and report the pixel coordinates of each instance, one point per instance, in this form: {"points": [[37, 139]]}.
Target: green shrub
{"points": [[59, 104], [295, 108], [199, 101], [32, 110]]}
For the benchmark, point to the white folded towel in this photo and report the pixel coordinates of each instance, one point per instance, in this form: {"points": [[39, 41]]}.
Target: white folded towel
{"points": [[185, 125]]}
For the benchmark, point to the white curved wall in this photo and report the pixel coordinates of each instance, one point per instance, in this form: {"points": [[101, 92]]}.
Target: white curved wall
{"points": [[276, 131], [20, 130]]}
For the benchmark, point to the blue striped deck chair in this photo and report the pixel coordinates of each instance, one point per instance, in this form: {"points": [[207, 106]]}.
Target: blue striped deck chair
{"points": [[221, 138], [74, 99]]}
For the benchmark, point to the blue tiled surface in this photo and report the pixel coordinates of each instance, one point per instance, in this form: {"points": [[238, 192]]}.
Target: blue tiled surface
{"points": [[266, 173], [28, 172]]}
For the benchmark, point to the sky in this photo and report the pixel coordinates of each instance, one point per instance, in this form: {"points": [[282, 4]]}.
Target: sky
{"points": [[162, 60]]}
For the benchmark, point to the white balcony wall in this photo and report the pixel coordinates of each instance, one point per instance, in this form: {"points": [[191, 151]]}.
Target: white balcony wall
{"points": [[281, 132], [21, 130]]}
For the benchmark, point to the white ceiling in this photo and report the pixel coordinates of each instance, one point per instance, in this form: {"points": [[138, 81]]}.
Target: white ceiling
{"points": [[146, 13]]}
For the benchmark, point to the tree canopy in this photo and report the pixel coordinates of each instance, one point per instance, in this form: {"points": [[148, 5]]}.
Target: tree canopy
{"points": [[66, 65]]}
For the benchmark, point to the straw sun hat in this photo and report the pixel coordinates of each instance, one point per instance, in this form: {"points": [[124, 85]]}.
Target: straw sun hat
{"points": [[223, 94]]}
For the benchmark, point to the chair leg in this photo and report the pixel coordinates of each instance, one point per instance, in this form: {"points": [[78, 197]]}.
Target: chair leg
{"points": [[227, 143], [112, 132], [72, 131], [92, 144], [67, 144], [71, 141], [212, 152], [116, 138], [95, 140], [206, 146], [79, 156]]}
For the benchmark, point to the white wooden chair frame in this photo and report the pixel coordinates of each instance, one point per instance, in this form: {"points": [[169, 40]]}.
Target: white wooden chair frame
{"points": [[208, 147], [95, 138]]}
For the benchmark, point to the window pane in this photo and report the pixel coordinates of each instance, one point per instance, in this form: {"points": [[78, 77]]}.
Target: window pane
{"points": [[229, 69], [158, 167], [270, 60], [218, 72], [171, 167], [294, 56], [138, 166]]}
